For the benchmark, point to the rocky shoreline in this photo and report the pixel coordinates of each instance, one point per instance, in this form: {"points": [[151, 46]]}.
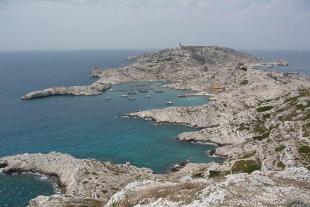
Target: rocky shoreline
{"points": [[96, 88], [260, 121], [93, 183]]}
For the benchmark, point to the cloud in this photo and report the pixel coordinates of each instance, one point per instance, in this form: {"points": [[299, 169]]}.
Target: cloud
{"points": [[97, 24]]}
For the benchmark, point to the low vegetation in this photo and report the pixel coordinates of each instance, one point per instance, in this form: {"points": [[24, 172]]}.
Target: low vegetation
{"points": [[279, 148], [217, 174], [244, 82], [244, 126], [262, 136], [281, 165], [264, 108], [246, 166], [183, 192], [306, 130], [304, 151]]}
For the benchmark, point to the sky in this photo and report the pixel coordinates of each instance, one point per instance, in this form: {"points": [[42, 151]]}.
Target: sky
{"points": [[153, 24]]}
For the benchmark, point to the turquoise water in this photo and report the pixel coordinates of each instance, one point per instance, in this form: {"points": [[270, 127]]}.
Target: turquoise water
{"points": [[86, 127], [90, 127]]}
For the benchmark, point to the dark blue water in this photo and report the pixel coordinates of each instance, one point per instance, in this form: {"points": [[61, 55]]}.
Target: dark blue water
{"points": [[86, 127], [298, 60]]}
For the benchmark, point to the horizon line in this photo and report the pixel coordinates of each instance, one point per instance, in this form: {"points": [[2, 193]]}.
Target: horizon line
{"points": [[150, 49]]}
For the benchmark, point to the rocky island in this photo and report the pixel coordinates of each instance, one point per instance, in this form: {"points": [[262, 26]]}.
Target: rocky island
{"points": [[260, 121]]}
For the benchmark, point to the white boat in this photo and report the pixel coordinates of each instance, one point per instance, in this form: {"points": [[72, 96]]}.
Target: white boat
{"points": [[124, 95], [147, 96], [169, 103], [107, 98]]}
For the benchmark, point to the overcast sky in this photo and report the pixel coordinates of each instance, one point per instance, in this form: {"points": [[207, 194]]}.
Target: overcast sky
{"points": [[141, 24]]}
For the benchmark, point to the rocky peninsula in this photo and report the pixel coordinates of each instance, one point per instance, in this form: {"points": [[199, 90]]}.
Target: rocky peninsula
{"points": [[260, 121], [96, 88]]}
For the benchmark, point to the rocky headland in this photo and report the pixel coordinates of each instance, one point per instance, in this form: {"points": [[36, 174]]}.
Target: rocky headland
{"points": [[260, 121], [96, 88]]}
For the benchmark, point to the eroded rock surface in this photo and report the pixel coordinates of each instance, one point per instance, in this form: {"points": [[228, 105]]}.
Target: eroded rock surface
{"points": [[256, 189], [92, 183], [78, 178]]}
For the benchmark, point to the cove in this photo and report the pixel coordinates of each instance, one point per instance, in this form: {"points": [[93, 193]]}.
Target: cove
{"points": [[86, 127], [93, 127], [17, 190]]}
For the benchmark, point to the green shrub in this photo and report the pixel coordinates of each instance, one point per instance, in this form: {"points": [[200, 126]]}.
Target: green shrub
{"points": [[281, 165], [304, 149], [217, 174], [306, 130], [243, 126], [244, 82], [264, 108], [279, 148], [247, 166], [262, 136], [259, 129]]}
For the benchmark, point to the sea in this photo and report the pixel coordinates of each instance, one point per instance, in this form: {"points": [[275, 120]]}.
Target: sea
{"points": [[93, 126]]}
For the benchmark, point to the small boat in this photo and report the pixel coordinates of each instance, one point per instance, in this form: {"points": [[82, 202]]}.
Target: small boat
{"points": [[132, 93], [124, 95], [107, 98], [158, 91], [132, 98], [143, 91], [121, 90], [147, 96], [169, 103], [181, 95]]}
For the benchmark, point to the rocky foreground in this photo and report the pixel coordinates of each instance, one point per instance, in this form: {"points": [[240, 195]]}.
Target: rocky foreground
{"points": [[259, 120], [92, 183]]}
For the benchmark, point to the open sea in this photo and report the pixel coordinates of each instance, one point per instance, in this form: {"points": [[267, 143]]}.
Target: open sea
{"points": [[91, 126]]}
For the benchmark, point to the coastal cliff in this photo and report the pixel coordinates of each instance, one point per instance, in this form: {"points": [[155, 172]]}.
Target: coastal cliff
{"points": [[92, 183], [259, 120], [77, 178]]}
